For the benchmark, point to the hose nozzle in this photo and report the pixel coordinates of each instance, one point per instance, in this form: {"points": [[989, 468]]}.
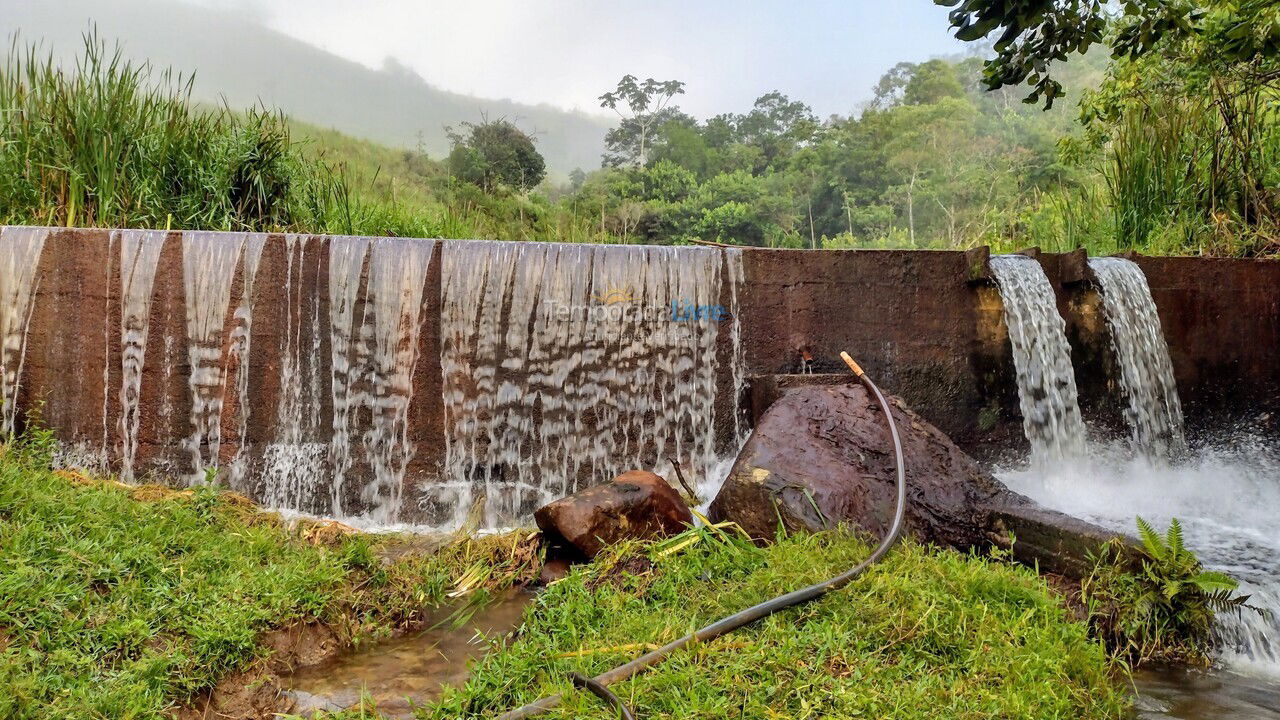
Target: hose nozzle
{"points": [[857, 369]]}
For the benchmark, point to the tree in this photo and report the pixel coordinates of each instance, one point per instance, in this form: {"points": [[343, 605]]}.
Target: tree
{"points": [[778, 126], [495, 153], [647, 102], [1032, 34]]}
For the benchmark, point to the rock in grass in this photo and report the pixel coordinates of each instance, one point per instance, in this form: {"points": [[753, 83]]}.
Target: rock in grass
{"points": [[634, 505], [822, 456]]}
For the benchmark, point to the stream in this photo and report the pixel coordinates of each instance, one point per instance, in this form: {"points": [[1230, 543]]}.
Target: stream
{"points": [[405, 671]]}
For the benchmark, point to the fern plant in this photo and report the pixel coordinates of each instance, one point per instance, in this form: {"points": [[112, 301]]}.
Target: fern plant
{"points": [[1156, 600]]}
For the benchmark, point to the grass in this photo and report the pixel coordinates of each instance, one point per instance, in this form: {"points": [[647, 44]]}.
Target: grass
{"points": [[927, 634], [120, 602]]}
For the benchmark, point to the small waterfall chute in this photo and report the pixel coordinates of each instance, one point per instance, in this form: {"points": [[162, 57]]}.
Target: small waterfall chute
{"points": [[20, 249], [139, 257], [1047, 393], [1153, 412]]}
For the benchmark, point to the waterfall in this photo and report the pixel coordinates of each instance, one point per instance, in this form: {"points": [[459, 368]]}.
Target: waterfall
{"points": [[564, 365], [348, 352], [1042, 359], [1154, 413], [139, 256], [738, 362], [296, 458], [19, 259], [375, 297], [209, 262], [397, 278], [241, 342]]}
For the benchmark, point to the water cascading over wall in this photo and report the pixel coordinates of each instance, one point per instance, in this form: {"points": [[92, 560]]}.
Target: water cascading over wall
{"points": [[564, 365], [209, 262], [139, 256], [1042, 359], [375, 297], [296, 455], [242, 345], [1153, 412], [19, 257]]}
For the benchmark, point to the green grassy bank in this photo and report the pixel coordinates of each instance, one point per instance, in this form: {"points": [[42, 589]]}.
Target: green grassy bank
{"points": [[120, 602], [927, 634]]}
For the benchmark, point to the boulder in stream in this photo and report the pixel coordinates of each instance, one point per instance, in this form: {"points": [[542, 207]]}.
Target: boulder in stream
{"points": [[634, 505], [821, 456]]}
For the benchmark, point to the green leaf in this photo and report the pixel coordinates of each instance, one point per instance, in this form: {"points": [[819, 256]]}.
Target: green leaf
{"points": [[1151, 540], [1211, 581]]}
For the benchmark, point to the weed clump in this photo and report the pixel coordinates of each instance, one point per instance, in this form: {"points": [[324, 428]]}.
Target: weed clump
{"points": [[1156, 601]]}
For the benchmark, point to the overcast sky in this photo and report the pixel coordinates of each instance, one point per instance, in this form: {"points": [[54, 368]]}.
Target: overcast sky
{"points": [[828, 53]]}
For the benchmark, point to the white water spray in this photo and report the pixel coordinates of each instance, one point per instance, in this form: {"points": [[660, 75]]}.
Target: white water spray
{"points": [[1225, 496], [1042, 359], [20, 249]]}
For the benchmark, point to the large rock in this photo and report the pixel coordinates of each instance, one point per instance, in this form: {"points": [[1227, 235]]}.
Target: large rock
{"points": [[822, 456], [634, 505]]}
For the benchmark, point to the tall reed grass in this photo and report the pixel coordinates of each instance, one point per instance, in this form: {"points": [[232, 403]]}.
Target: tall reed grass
{"points": [[1197, 174], [105, 143], [113, 143]]}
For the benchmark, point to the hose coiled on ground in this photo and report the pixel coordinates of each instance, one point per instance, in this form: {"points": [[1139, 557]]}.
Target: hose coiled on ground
{"points": [[764, 609]]}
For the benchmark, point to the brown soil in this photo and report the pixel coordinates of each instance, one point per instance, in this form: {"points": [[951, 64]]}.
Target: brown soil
{"points": [[255, 693]]}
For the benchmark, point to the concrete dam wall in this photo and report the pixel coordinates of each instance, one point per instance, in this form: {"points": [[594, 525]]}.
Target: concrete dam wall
{"points": [[399, 380]]}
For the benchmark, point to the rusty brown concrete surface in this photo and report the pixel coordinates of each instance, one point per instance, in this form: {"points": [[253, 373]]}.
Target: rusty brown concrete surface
{"points": [[926, 324]]}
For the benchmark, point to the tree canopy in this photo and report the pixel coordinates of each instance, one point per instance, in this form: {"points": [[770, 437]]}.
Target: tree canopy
{"points": [[495, 153], [1031, 35]]}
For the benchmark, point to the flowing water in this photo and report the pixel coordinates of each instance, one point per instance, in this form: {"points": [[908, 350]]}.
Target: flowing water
{"points": [[407, 671], [347, 354], [397, 277], [1224, 492], [567, 364], [209, 262], [139, 256], [297, 455], [1154, 413], [1224, 495], [1042, 358], [20, 249], [241, 344], [376, 294]]}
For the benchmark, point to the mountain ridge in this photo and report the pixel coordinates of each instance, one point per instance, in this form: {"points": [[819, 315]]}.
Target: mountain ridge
{"points": [[392, 106]]}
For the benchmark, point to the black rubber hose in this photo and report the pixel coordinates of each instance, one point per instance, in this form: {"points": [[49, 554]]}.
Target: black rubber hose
{"points": [[769, 607], [602, 692]]}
